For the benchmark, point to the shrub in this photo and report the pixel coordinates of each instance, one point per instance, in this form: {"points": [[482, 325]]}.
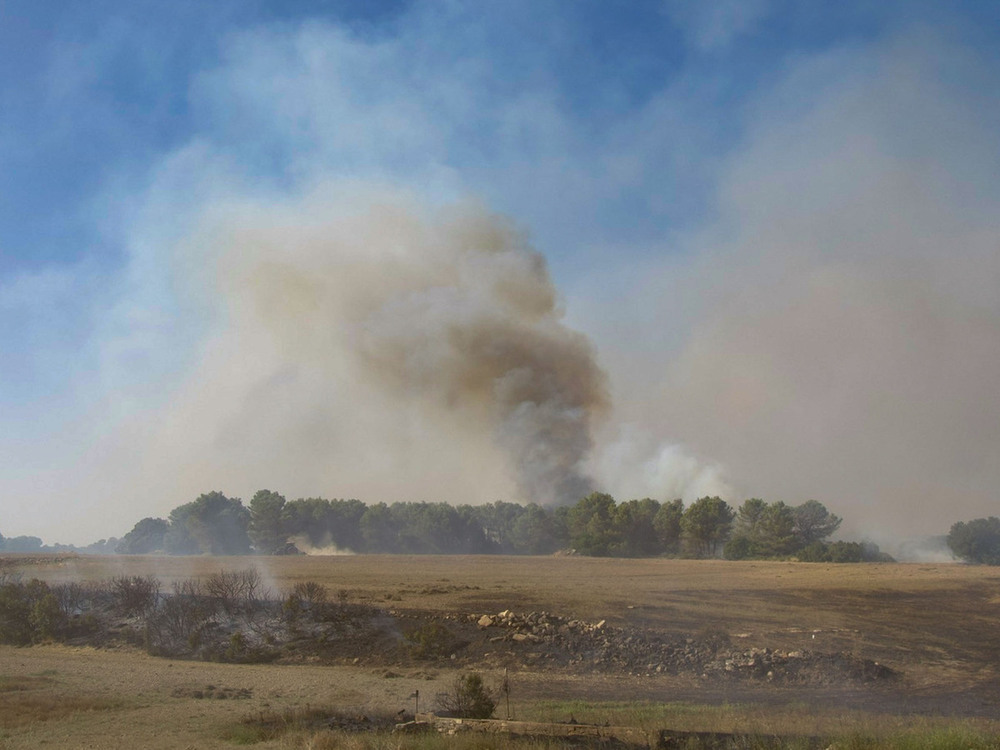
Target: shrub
{"points": [[15, 610], [47, 619], [310, 593], [176, 626], [10, 572], [432, 640], [468, 698], [237, 590], [134, 595], [29, 613]]}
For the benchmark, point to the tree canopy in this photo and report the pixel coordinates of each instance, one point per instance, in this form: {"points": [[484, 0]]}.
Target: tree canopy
{"points": [[596, 525], [976, 541]]}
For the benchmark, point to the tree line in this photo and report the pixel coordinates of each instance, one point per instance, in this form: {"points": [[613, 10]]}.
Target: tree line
{"points": [[597, 525]]}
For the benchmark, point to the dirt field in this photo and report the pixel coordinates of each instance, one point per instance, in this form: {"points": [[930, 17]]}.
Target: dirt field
{"points": [[933, 626]]}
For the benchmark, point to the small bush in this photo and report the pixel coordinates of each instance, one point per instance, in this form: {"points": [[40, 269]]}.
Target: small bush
{"points": [[310, 593], [29, 613], [134, 596], [237, 590], [10, 572], [468, 698], [242, 650], [47, 620], [177, 625], [15, 612], [432, 640], [308, 596]]}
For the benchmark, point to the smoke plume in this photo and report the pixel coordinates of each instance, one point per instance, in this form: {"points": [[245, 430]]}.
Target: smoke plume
{"points": [[373, 308]]}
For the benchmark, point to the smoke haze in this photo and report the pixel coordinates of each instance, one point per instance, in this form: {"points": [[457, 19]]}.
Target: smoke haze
{"points": [[368, 346], [841, 313], [406, 265]]}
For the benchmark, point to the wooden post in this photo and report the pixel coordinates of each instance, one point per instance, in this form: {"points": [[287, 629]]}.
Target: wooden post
{"points": [[505, 689]]}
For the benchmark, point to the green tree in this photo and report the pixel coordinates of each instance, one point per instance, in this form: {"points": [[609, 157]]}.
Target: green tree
{"points": [[668, 526], [146, 537], [635, 529], [498, 521], [435, 528], [748, 518], [814, 523], [976, 541], [325, 522], [592, 525], [213, 525], [776, 531], [745, 539], [468, 698], [706, 525], [266, 528], [22, 544], [536, 532], [378, 529]]}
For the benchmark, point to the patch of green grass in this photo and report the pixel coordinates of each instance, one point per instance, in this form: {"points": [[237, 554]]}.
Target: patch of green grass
{"points": [[754, 728], [642, 714], [957, 737]]}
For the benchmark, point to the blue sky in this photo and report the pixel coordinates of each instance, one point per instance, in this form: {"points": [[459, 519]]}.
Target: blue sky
{"points": [[773, 220]]}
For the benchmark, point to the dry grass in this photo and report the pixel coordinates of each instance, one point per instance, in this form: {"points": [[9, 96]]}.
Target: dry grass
{"points": [[929, 617], [936, 623], [29, 699]]}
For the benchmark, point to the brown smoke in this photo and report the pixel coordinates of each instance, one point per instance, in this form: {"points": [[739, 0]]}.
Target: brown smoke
{"points": [[443, 317]]}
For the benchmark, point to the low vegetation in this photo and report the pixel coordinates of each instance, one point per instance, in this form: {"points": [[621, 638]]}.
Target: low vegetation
{"points": [[27, 700]]}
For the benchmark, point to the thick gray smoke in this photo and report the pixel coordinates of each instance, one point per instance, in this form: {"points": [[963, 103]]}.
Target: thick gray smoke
{"points": [[446, 320]]}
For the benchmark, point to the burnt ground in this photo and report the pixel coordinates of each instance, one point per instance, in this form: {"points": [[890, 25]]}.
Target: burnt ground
{"points": [[559, 656], [898, 639]]}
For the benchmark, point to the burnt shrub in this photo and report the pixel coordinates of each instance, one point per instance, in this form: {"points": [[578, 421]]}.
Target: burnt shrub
{"points": [[306, 597], [178, 624], [236, 590], [134, 596]]}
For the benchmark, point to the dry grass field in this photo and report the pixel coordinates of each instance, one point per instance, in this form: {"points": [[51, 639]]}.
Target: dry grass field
{"points": [[935, 625]]}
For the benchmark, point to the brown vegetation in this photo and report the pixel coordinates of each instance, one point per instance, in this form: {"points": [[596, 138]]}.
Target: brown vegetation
{"points": [[725, 625]]}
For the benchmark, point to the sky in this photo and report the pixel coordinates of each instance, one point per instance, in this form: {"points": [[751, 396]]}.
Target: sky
{"points": [[465, 251]]}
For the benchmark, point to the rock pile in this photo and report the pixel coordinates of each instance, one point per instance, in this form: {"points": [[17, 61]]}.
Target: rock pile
{"points": [[602, 647]]}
